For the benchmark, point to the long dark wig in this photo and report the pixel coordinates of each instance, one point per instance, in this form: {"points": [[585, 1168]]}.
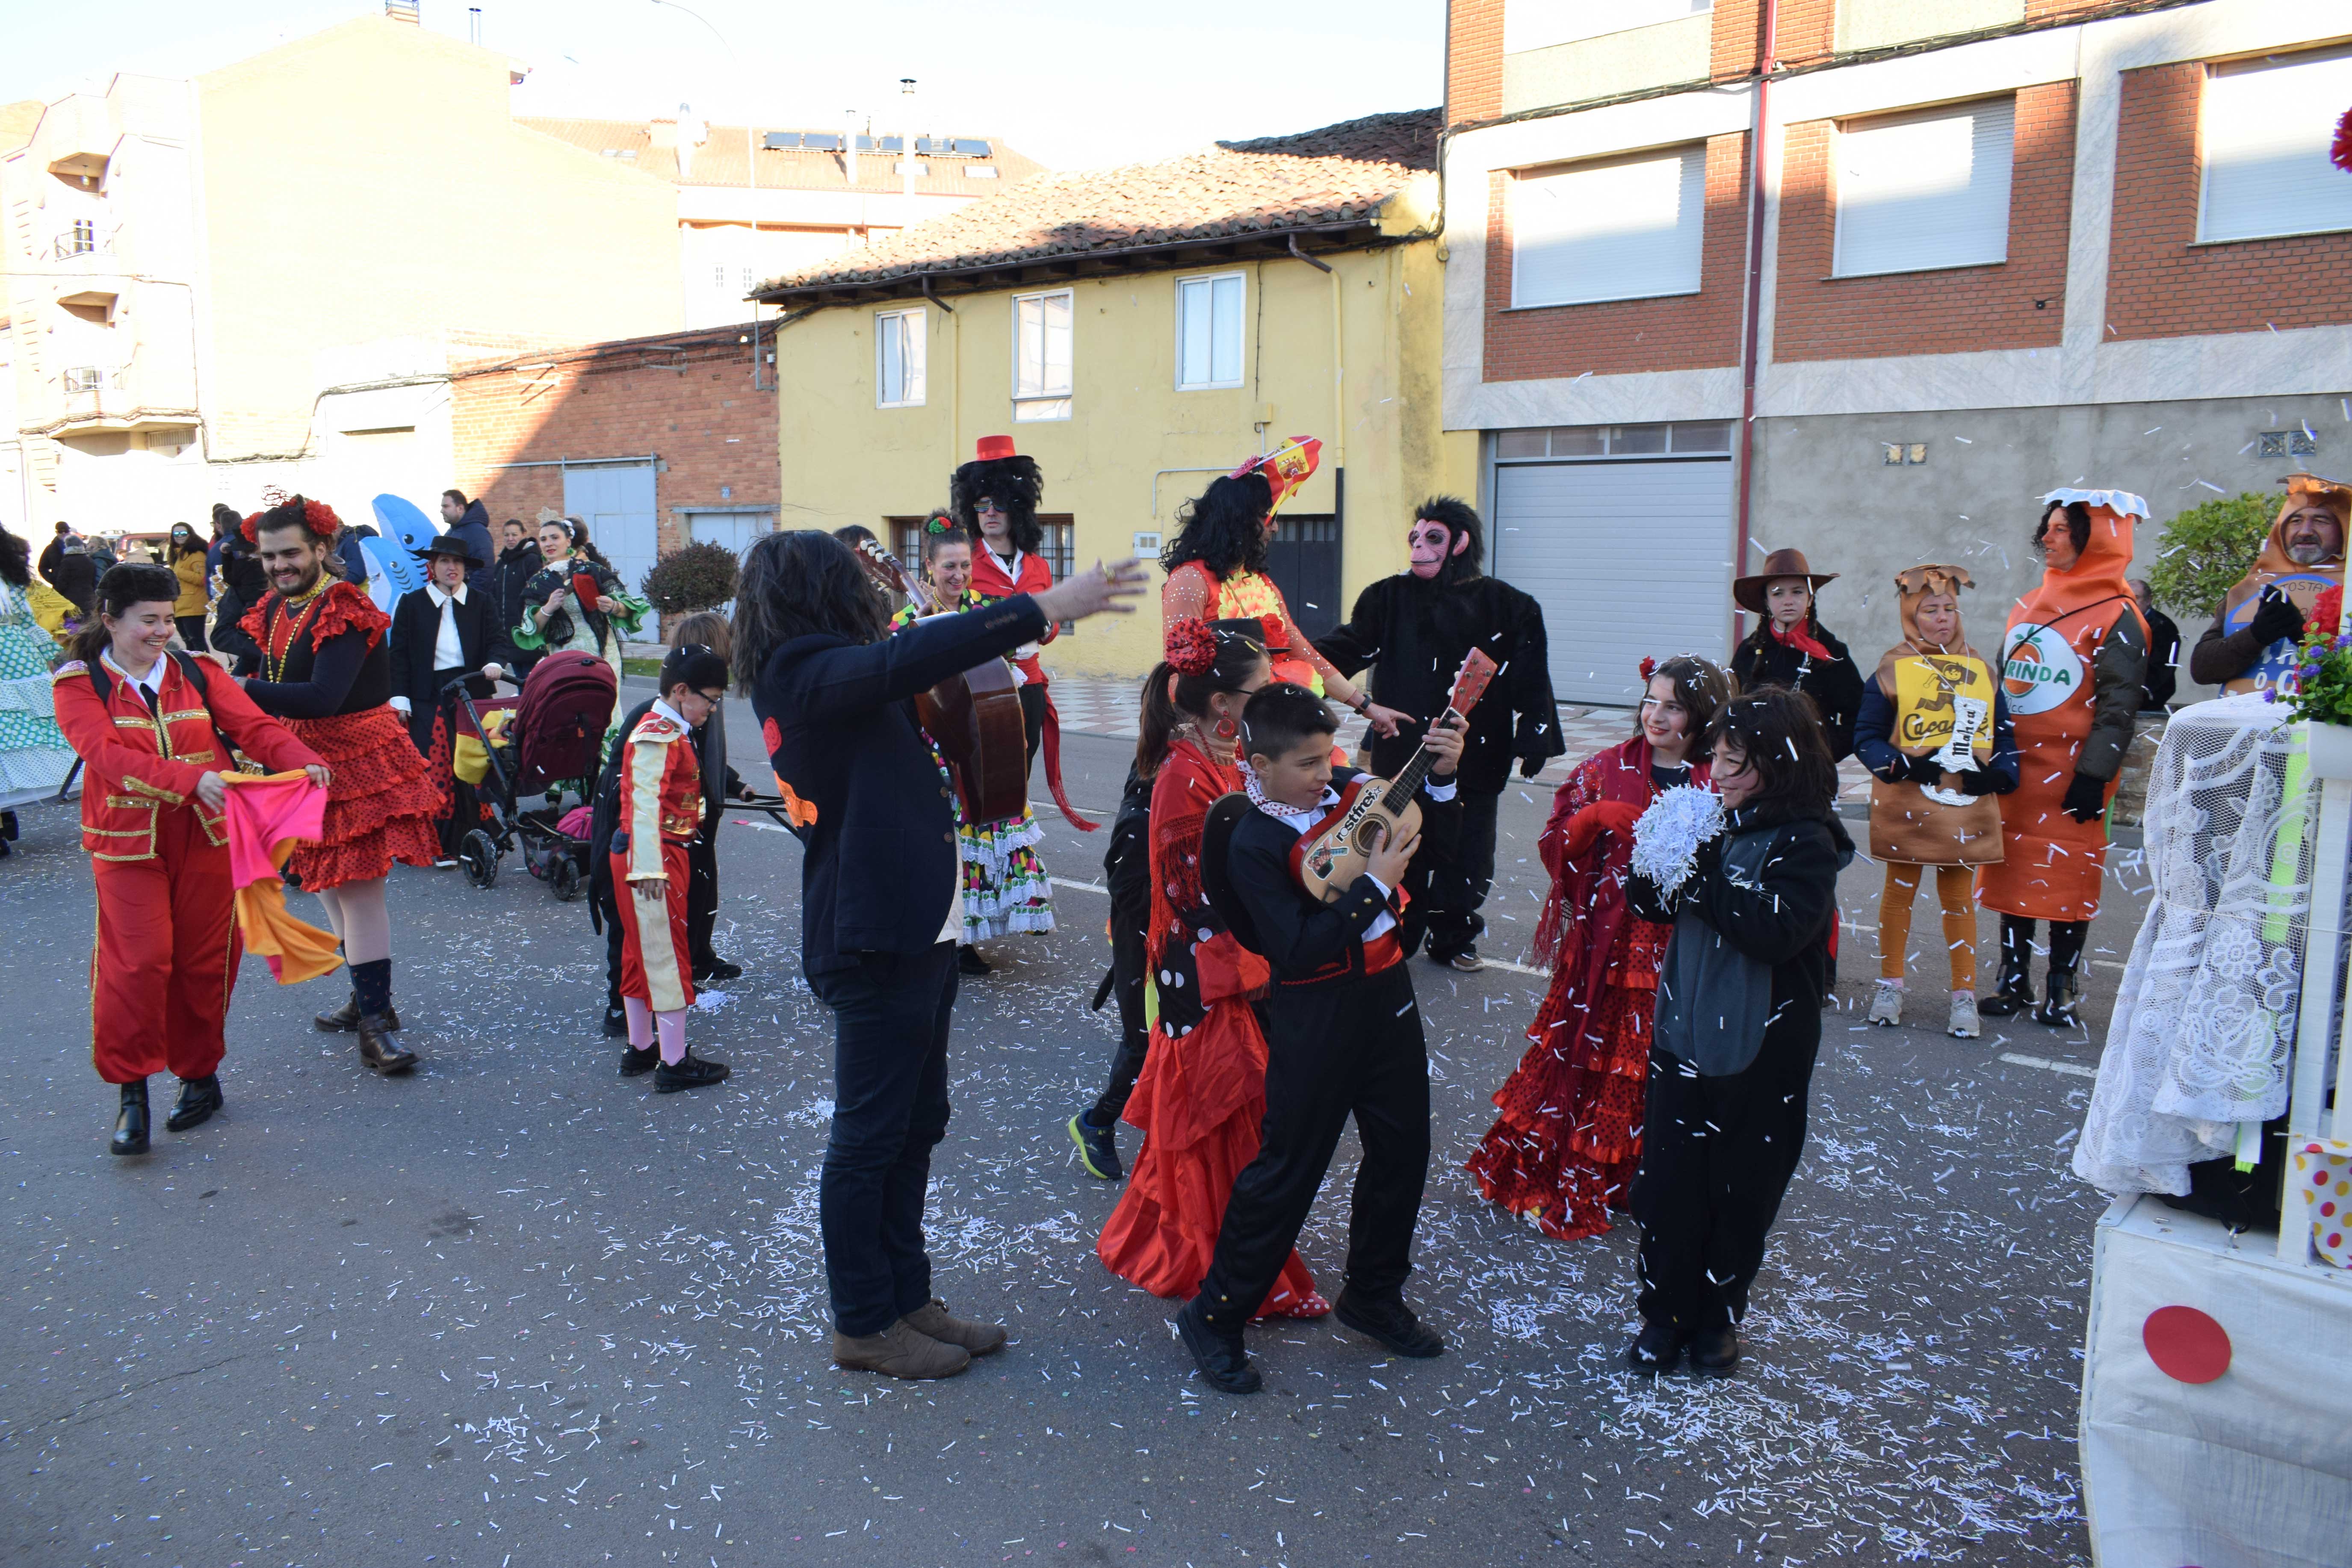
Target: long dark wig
{"points": [[138, 582], [1224, 528], [1015, 483], [1169, 699], [797, 584]]}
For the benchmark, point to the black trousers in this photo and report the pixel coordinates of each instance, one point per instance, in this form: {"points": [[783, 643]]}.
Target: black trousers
{"points": [[2066, 939], [702, 891], [1460, 873], [891, 1015], [1716, 1156], [1033, 719], [1351, 1045], [1129, 870], [192, 632]]}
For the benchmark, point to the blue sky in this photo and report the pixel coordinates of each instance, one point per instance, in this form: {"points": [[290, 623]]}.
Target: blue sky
{"points": [[1073, 82]]}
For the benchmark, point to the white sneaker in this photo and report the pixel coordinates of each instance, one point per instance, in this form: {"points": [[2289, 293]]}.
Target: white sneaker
{"points": [[1963, 1026], [1887, 1006]]}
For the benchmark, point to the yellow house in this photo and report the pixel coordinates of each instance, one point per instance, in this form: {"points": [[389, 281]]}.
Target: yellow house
{"points": [[1139, 330]]}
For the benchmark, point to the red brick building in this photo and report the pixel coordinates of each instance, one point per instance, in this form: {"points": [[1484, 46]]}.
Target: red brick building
{"points": [[654, 442], [1988, 247]]}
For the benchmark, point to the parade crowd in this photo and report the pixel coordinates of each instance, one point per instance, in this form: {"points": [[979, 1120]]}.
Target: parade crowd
{"points": [[1691, 933]]}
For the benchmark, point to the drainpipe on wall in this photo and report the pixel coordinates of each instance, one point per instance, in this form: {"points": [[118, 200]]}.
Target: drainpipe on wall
{"points": [[1339, 398], [1768, 61]]}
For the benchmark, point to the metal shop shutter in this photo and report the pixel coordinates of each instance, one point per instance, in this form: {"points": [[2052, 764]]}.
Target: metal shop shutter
{"points": [[1627, 559]]}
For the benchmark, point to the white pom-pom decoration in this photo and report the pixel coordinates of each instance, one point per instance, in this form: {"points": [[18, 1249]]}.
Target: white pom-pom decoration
{"points": [[1667, 836]]}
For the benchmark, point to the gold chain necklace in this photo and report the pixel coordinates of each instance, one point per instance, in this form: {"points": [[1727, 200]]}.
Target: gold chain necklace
{"points": [[305, 607]]}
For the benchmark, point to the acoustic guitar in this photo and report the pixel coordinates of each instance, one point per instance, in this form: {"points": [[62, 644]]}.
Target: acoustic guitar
{"points": [[975, 717], [1332, 853]]}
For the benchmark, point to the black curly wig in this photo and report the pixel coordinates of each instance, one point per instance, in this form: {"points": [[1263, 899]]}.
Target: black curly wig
{"points": [[1013, 483], [1224, 528]]}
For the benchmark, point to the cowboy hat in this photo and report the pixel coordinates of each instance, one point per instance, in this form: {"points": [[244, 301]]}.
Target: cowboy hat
{"points": [[1748, 592]]}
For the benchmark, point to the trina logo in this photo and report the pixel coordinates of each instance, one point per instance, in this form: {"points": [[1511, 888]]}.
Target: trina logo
{"points": [[2039, 669]]}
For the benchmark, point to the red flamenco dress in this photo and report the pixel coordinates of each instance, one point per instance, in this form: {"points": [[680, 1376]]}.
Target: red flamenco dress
{"points": [[1565, 1148], [1202, 1096], [327, 673]]}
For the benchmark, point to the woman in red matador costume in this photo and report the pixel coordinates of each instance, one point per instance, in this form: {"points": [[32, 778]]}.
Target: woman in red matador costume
{"points": [[1200, 1097], [2074, 665], [155, 726], [1216, 569], [993, 498], [1564, 1150], [327, 672]]}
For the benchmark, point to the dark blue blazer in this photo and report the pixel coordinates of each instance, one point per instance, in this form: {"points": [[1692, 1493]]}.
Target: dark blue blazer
{"points": [[839, 722]]}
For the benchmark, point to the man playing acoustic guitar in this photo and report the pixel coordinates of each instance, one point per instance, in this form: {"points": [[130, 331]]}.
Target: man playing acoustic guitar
{"points": [[1343, 1034]]}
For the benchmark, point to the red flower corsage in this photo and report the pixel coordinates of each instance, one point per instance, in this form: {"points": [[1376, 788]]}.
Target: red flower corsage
{"points": [[317, 516], [1191, 647]]}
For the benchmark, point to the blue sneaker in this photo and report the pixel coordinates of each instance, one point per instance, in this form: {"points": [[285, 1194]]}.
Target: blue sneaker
{"points": [[1097, 1148]]}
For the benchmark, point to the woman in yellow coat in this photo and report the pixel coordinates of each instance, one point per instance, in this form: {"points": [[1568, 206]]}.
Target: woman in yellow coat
{"points": [[187, 562]]}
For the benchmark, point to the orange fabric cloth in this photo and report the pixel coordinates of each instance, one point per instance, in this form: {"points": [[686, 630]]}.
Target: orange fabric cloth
{"points": [[268, 817], [2051, 866]]}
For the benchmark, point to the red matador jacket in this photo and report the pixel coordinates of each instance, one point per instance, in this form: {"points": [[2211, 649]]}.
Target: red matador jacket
{"points": [[137, 763], [664, 794]]}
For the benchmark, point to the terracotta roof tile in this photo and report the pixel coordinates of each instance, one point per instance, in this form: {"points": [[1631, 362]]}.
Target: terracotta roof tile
{"points": [[1339, 173]]}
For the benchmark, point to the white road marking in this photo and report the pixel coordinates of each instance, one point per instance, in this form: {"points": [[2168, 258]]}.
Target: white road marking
{"points": [[1082, 887]]}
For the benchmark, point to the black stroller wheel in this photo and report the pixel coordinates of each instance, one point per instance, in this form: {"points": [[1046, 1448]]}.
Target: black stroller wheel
{"points": [[480, 855], [568, 880]]}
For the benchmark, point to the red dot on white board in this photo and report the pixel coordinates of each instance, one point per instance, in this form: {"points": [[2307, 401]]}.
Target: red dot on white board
{"points": [[2187, 1345]]}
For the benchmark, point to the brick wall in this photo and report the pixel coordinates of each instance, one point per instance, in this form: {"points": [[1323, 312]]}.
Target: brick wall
{"points": [[1806, 30], [1474, 59], [2017, 303], [1684, 331], [2160, 282], [687, 398]]}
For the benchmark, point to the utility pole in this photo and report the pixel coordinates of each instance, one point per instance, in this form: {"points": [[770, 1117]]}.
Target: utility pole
{"points": [[907, 167]]}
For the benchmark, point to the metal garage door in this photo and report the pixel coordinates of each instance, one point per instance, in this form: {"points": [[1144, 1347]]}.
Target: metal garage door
{"points": [[616, 501], [1628, 559]]}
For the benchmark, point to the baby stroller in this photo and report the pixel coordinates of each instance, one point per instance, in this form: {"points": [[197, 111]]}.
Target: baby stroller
{"points": [[549, 737]]}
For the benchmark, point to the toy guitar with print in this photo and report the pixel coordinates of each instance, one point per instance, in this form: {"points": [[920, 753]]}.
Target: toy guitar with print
{"points": [[975, 717], [1333, 853]]}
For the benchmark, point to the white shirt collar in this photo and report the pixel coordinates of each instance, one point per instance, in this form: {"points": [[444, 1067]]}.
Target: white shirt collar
{"points": [[152, 681], [662, 706], [442, 597]]}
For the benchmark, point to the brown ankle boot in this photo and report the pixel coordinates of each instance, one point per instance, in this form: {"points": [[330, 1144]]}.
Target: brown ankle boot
{"points": [[899, 1350], [377, 1053], [933, 1319]]}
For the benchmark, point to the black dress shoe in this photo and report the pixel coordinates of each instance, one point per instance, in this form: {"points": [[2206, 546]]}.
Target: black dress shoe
{"points": [[377, 1053], [131, 1122], [717, 968], [1715, 1352], [1389, 1322], [689, 1071], [1224, 1362], [1656, 1349], [199, 1097], [634, 1061], [969, 961], [616, 1023], [345, 1019]]}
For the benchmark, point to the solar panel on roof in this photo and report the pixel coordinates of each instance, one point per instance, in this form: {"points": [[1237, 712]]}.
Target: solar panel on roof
{"points": [[819, 141], [970, 149], [782, 141], [885, 144]]}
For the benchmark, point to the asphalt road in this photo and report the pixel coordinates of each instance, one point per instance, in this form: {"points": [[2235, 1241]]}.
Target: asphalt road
{"points": [[515, 1312]]}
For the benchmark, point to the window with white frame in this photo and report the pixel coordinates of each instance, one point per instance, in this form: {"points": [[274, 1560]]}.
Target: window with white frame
{"points": [[1041, 355], [1209, 332], [1630, 228], [1926, 190], [2267, 126], [898, 342]]}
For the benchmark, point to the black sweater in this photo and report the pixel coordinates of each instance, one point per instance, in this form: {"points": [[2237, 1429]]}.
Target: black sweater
{"points": [[1835, 687]]}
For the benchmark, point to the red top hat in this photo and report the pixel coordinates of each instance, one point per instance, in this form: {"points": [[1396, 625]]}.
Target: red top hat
{"points": [[991, 447]]}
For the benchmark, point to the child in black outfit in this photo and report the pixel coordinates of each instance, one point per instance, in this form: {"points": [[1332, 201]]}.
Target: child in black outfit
{"points": [[1343, 1034], [1739, 1024]]}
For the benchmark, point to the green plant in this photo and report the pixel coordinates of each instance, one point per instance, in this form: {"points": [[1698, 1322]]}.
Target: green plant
{"points": [[2322, 688], [2203, 552], [698, 577]]}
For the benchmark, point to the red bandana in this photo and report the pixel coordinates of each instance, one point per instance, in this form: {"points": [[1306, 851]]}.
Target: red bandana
{"points": [[1801, 639]]}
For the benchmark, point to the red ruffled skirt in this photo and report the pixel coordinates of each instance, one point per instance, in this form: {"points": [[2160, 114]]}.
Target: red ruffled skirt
{"points": [[1565, 1148], [379, 806], [1200, 1101]]}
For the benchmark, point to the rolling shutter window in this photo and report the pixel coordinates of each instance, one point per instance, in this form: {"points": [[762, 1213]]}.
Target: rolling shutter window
{"points": [[2266, 132], [1923, 191], [1625, 228]]}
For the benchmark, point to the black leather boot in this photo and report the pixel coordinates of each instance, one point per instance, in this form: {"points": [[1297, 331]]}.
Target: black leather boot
{"points": [[2057, 1008], [346, 1018], [377, 1053], [199, 1097], [131, 1122], [2015, 993]]}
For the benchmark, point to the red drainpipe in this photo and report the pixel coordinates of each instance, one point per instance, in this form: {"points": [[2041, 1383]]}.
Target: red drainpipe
{"points": [[1768, 61]]}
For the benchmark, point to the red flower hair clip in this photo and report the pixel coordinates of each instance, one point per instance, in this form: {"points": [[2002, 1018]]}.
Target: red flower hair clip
{"points": [[1649, 668], [1191, 647], [317, 516]]}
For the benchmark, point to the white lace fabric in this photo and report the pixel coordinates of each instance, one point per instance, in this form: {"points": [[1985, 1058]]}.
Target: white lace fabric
{"points": [[2204, 1024]]}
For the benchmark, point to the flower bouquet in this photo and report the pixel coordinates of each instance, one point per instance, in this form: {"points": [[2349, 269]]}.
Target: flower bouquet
{"points": [[2322, 689]]}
